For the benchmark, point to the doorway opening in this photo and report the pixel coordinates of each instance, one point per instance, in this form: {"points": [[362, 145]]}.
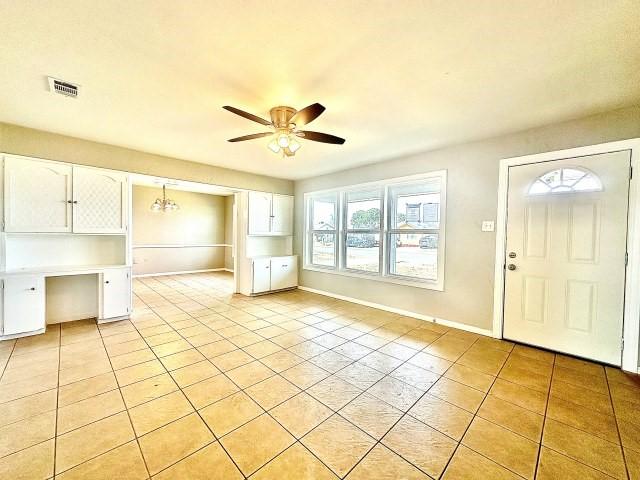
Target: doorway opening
{"points": [[195, 233]]}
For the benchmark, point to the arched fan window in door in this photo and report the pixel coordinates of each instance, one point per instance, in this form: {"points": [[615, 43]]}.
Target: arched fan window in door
{"points": [[566, 180]]}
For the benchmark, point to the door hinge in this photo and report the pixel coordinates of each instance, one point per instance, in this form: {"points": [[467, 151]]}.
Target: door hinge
{"points": [[622, 343], [630, 172], [626, 258]]}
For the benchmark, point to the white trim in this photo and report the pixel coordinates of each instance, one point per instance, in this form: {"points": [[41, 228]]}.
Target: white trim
{"points": [[631, 326], [230, 270], [205, 245], [406, 313], [181, 272]]}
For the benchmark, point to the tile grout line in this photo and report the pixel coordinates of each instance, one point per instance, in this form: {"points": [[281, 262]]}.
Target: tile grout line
{"points": [[144, 460], [55, 432], [613, 407], [544, 418]]}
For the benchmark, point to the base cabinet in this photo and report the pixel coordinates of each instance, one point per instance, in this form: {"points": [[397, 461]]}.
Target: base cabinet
{"points": [[274, 273], [261, 275], [23, 304], [284, 272], [115, 293]]}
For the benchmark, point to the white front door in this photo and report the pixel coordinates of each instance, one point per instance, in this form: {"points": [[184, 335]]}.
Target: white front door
{"points": [[565, 255]]}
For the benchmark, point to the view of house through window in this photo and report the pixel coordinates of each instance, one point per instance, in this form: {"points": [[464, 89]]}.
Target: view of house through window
{"points": [[324, 230], [389, 230], [415, 221]]}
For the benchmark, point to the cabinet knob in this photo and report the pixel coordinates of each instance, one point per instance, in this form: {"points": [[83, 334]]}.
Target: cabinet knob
{"points": [[33, 289], [107, 281]]}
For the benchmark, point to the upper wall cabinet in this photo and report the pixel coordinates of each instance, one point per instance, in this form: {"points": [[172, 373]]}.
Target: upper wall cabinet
{"points": [[37, 196], [99, 201], [282, 215], [44, 197], [270, 214]]}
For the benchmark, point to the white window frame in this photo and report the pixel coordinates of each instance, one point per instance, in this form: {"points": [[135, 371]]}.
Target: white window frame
{"points": [[346, 230], [384, 274], [309, 232]]}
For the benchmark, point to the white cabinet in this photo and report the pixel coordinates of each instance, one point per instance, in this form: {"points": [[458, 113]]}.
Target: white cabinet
{"points": [[282, 215], [261, 275], [99, 201], [274, 273], [37, 195], [284, 272], [41, 196], [115, 293], [23, 304], [260, 213], [270, 214]]}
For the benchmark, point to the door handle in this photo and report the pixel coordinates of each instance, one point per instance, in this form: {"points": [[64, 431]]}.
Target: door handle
{"points": [[512, 254], [511, 266]]}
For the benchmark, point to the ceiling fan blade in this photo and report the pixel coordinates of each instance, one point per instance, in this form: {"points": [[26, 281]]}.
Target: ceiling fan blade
{"points": [[307, 114], [250, 137], [247, 115], [321, 137]]}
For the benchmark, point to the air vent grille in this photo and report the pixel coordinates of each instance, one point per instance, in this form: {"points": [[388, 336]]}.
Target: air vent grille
{"points": [[63, 88]]}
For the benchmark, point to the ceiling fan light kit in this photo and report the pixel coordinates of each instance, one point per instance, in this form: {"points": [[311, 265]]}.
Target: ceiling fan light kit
{"points": [[285, 122]]}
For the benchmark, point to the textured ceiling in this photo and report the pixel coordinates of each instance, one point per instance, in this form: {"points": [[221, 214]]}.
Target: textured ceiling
{"points": [[396, 77]]}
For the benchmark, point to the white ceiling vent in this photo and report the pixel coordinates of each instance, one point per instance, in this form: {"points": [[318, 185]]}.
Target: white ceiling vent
{"points": [[63, 88]]}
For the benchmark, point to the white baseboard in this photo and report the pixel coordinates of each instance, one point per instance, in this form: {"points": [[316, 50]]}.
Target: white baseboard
{"points": [[141, 275], [230, 270], [406, 313]]}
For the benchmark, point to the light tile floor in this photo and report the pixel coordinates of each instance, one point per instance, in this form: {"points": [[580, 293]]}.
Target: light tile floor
{"points": [[204, 384]]}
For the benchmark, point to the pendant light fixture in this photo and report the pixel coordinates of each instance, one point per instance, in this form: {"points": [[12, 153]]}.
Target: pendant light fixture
{"points": [[164, 204]]}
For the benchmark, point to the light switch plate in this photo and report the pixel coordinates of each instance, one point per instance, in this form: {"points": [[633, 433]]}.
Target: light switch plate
{"points": [[488, 225]]}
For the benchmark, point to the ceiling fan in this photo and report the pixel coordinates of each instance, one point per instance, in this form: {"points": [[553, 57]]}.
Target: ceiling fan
{"points": [[285, 122]]}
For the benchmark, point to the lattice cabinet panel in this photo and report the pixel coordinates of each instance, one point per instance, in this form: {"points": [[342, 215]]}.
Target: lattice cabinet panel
{"points": [[99, 201], [37, 195]]}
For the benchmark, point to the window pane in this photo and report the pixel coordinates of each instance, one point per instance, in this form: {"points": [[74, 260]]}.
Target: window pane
{"points": [[566, 180], [323, 249], [363, 210], [416, 205], [324, 212], [363, 251], [414, 255]]}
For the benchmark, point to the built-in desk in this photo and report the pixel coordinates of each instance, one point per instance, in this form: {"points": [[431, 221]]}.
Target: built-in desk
{"points": [[23, 296]]}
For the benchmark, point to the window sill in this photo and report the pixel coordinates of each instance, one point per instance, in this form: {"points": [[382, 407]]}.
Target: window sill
{"points": [[426, 285]]}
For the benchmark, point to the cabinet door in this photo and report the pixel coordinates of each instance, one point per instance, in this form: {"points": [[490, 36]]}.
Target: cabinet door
{"points": [[284, 272], [99, 201], [282, 223], [261, 275], [115, 293], [24, 301], [260, 213], [37, 196]]}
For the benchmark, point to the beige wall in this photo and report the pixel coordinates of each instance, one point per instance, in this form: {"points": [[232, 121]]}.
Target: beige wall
{"points": [[471, 197], [37, 143], [200, 220]]}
